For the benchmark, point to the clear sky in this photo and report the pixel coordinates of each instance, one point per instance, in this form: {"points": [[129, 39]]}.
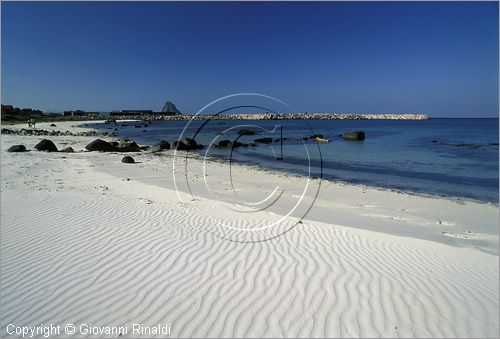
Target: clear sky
{"points": [[439, 58]]}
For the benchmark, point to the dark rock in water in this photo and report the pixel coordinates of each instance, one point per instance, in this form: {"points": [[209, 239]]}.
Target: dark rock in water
{"points": [[246, 132], [264, 140], [128, 146], [123, 125], [280, 139], [128, 159], [67, 150], [17, 148], [238, 144], [137, 126], [356, 135], [229, 143], [223, 143], [434, 141], [494, 144], [169, 107], [467, 145], [52, 125], [101, 146], [187, 144], [114, 143], [252, 144], [46, 145]]}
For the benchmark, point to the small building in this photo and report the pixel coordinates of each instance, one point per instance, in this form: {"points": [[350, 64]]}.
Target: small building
{"points": [[7, 109]]}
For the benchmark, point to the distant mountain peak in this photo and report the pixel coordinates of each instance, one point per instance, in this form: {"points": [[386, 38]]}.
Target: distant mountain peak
{"points": [[169, 107]]}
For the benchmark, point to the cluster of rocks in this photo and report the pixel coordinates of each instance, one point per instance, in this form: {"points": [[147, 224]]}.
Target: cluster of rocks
{"points": [[187, 144], [44, 145], [42, 132], [350, 136], [115, 146]]}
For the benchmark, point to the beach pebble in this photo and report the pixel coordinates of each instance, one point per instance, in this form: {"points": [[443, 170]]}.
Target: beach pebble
{"points": [[128, 160]]}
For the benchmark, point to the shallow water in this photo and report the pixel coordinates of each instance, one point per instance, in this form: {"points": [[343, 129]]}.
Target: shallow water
{"points": [[447, 157]]}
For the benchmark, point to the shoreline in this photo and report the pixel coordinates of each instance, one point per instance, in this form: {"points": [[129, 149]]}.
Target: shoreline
{"points": [[149, 176], [86, 130]]}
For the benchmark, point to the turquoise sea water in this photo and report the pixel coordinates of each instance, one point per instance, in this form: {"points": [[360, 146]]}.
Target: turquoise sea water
{"points": [[446, 157]]}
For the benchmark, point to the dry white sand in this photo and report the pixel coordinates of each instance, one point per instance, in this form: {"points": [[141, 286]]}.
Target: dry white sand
{"points": [[86, 239]]}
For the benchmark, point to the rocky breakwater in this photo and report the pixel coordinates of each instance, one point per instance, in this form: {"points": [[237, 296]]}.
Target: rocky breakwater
{"points": [[270, 116], [40, 132]]}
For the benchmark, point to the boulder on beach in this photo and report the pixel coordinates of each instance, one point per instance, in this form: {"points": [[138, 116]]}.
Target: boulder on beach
{"points": [[52, 125], [128, 160], [17, 148], [128, 146], [264, 140], [187, 144], [355, 135], [68, 150], [46, 145], [100, 146], [163, 144], [160, 146]]}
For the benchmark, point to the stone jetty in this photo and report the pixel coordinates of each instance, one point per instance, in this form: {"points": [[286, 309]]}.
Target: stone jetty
{"points": [[289, 116]]}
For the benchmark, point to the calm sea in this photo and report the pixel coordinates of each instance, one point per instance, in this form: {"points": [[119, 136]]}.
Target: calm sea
{"points": [[447, 157]]}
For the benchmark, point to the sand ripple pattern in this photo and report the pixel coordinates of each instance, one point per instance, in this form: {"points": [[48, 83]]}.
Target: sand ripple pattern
{"points": [[140, 263]]}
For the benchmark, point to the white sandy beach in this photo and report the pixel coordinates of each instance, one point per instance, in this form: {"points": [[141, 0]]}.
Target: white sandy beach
{"points": [[86, 239]]}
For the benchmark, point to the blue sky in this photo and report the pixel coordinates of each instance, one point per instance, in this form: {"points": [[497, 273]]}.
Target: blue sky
{"points": [[439, 58]]}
